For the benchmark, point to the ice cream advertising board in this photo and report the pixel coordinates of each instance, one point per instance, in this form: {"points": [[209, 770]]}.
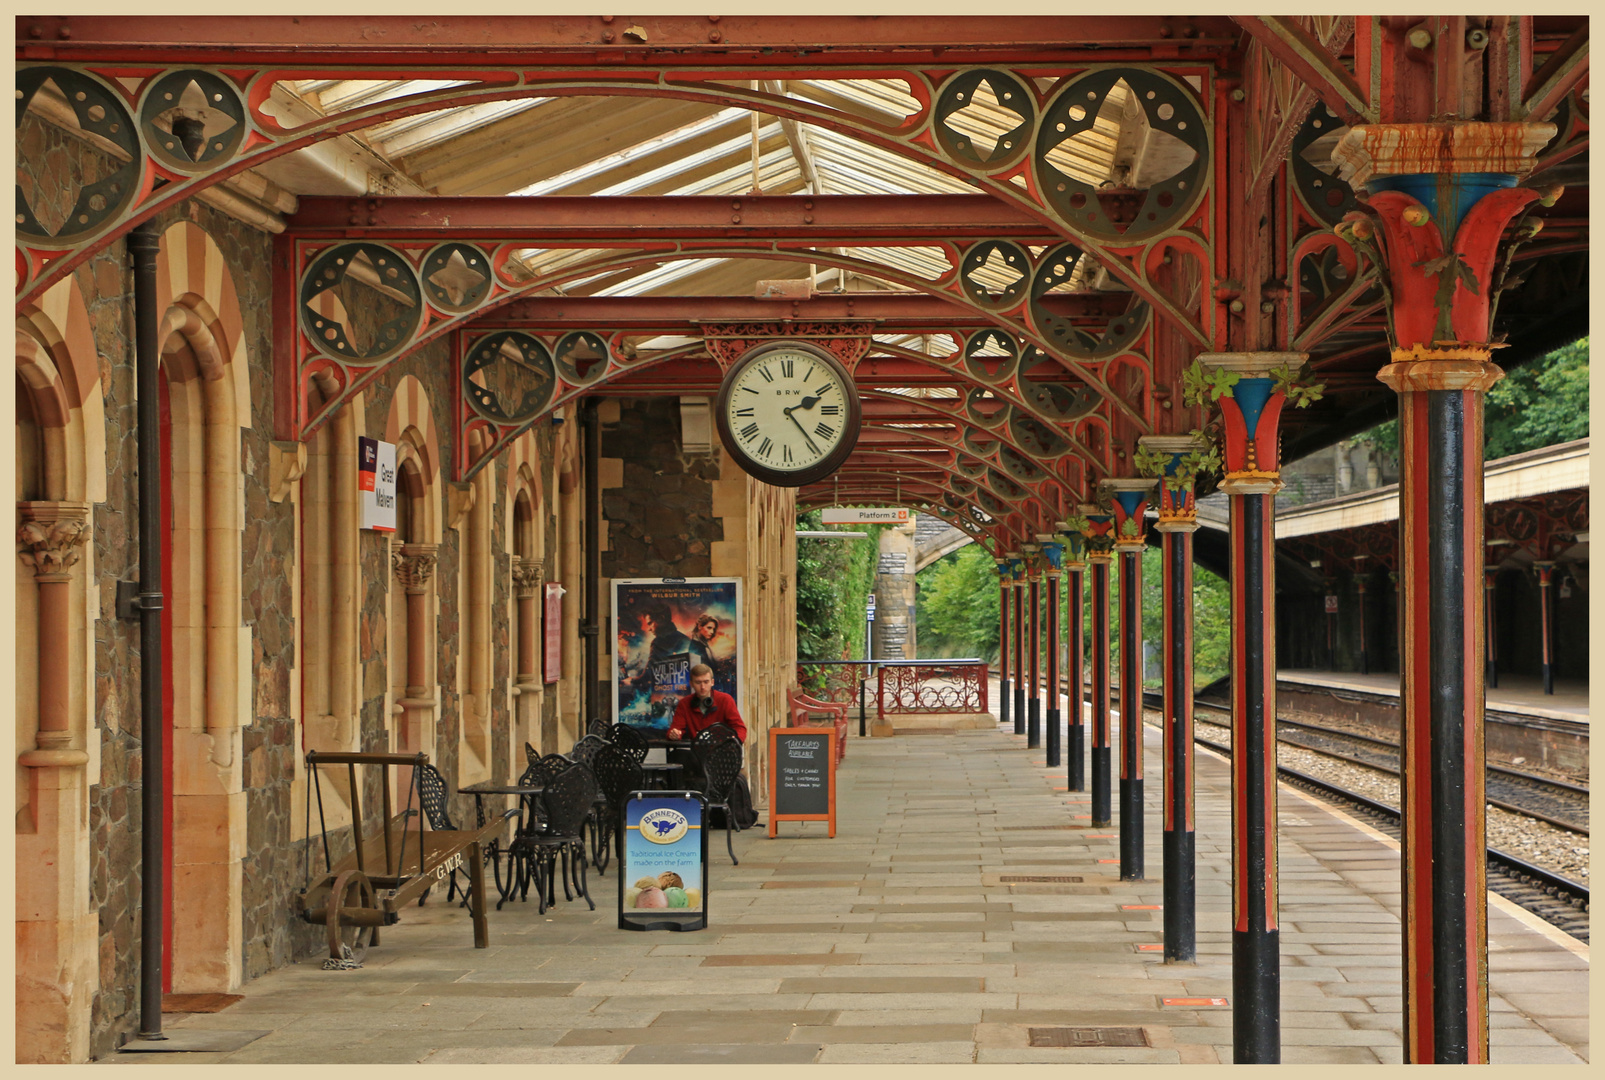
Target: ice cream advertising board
{"points": [[663, 880]]}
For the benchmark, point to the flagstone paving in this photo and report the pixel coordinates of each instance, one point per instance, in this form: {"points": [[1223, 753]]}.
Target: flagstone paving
{"points": [[898, 942]]}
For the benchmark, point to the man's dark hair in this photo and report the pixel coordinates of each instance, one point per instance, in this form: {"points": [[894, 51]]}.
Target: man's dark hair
{"points": [[658, 611]]}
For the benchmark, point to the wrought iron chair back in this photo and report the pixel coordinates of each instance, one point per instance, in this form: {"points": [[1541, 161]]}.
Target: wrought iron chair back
{"points": [[531, 755], [599, 728], [631, 741], [715, 734], [568, 798], [434, 797], [721, 765], [618, 774], [585, 750]]}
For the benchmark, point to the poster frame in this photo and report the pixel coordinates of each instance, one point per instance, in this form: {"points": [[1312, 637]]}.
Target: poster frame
{"points": [[619, 586]]}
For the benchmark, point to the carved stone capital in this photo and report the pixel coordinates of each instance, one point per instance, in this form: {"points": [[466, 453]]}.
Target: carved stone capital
{"points": [[414, 565], [49, 534], [526, 577]]}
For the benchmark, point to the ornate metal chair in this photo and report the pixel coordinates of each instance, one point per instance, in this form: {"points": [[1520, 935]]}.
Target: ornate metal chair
{"points": [[599, 728], [630, 741], [568, 800], [618, 774], [721, 764]]}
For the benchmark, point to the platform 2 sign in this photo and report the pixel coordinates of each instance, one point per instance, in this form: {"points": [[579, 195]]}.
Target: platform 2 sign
{"points": [[802, 776], [663, 877]]}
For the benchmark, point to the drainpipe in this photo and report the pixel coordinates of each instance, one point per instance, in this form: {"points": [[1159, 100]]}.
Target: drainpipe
{"points": [[591, 624], [143, 243]]}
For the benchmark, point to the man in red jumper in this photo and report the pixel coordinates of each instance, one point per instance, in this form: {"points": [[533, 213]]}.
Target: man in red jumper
{"points": [[704, 707]]}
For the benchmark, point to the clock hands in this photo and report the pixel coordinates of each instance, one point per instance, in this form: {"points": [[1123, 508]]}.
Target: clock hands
{"points": [[799, 427]]}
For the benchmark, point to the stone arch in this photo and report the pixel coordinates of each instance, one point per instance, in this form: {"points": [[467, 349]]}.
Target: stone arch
{"points": [[60, 475], [206, 386]]}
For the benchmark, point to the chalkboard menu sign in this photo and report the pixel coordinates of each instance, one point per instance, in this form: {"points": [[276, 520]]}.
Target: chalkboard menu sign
{"points": [[802, 775]]}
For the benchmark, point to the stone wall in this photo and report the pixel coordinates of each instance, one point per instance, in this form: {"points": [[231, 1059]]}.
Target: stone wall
{"points": [[895, 637], [660, 522]]}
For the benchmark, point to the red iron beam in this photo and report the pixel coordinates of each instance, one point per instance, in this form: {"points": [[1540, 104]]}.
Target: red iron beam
{"points": [[585, 40], [549, 220]]}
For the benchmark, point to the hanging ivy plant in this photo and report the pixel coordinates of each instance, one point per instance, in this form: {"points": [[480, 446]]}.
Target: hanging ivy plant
{"points": [[1300, 387], [1204, 385]]}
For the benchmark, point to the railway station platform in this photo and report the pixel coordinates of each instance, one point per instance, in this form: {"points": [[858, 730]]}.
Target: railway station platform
{"points": [[1519, 695], [917, 935]]}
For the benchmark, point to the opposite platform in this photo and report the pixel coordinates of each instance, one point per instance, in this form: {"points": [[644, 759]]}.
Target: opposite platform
{"points": [[904, 940]]}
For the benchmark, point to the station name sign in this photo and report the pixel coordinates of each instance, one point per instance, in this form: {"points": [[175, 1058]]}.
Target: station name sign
{"points": [[867, 515], [376, 483]]}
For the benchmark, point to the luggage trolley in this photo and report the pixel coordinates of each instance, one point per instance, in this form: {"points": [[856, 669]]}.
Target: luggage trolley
{"points": [[390, 868]]}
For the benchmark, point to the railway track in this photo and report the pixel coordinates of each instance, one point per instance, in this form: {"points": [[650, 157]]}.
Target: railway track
{"points": [[1558, 900], [1551, 896], [1560, 804]]}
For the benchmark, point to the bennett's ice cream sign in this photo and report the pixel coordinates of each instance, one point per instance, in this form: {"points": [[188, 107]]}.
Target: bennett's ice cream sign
{"points": [[867, 515]]}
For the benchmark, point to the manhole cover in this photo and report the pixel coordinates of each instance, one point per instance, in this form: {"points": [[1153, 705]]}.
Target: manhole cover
{"points": [[1088, 1036], [1008, 879]]}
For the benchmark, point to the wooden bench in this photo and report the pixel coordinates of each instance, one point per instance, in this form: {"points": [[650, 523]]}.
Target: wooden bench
{"points": [[801, 712]]}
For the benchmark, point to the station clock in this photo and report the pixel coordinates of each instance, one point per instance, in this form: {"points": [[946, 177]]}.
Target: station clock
{"points": [[788, 413]]}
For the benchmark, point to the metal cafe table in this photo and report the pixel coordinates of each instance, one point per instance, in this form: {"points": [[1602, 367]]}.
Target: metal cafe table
{"points": [[527, 794]]}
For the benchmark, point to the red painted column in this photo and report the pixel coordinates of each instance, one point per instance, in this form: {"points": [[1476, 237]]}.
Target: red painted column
{"points": [[1017, 566], [1005, 575], [1075, 743], [1439, 199], [1100, 552], [1053, 560], [1129, 499], [1033, 645], [1546, 620], [1178, 520], [1251, 413]]}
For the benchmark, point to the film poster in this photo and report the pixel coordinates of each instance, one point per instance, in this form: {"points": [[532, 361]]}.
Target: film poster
{"points": [[662, 629]]}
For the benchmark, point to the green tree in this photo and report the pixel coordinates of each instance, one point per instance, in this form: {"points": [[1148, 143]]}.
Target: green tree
{"points": [[956, 612], [1539, 404], [833, 579]]}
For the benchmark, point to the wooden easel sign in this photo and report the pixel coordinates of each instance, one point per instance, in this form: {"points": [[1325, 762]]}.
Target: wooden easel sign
{"points": [[802, 775]]}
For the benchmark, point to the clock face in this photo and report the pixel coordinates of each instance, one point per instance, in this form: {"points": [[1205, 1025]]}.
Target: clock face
{"points": [[788, 413]]}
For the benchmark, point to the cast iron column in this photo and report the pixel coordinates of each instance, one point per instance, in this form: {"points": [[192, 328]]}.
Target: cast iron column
{"points": [[1546, 620], [1017, 564], [1004, 577], [1076, 730], [1440, 200], [1053, 557], [1360, 579], [1033, 639], [1490, 593], [143, 244], [1178, 520], [1100, 551], [1130, 499], [1251, 412]]}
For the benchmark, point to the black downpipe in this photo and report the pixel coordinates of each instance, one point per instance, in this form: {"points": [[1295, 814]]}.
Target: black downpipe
{"points": [[1004, 656], [143, 243], [591, 622]]}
